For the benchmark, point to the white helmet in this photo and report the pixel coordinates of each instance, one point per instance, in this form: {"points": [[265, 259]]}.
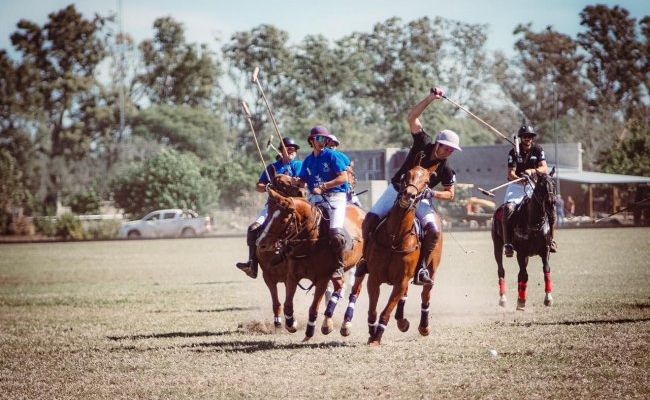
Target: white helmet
{"points": [[334, 139], [449, 138]]}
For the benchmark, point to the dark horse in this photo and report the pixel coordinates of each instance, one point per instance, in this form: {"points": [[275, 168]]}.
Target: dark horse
{"points": [[299, 230], [392, 254], [531, 234], [273, 263]]}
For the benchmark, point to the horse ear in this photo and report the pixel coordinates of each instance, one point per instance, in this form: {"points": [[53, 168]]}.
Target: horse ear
{"points": [[552, 172]]}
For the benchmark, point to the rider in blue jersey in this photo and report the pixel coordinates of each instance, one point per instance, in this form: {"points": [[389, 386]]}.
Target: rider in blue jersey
{"points": [[287, 165]]}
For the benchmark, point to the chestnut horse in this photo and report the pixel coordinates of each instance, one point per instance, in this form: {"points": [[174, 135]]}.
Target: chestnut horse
{"points": [[299, 230], [530, 236], [392, 255], [273, 263]]}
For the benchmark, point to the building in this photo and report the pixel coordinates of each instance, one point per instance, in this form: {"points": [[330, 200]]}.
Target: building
{"points": [[595, 193]]}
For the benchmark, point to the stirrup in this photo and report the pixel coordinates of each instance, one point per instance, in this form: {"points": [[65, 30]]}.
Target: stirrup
{"points": [[422, 278], [553, 246], [508, 250]]}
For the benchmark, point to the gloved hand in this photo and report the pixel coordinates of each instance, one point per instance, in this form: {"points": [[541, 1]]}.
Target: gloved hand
{"points": [[427, 194], [438, 92], [318, 190]]}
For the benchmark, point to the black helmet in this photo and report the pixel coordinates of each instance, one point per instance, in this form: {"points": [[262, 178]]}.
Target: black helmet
{"points": [[288, 142], [526, 130]]}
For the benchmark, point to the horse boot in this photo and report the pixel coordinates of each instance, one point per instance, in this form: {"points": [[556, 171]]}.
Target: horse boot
{"points": [[250, 267], [337, 242], [508, 210], [428, 244], [368, 226]]}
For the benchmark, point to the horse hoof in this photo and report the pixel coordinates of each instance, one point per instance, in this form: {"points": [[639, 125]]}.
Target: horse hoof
{"points": [[424, 330], [403, 324], [293, 328], [373, 343], [521, 305], [503, 301], [327, 327], [548, 300], [346, 329], [306, 339]]}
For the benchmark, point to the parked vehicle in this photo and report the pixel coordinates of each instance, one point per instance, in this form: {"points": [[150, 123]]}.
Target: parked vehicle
{"points": [[167, 223]]}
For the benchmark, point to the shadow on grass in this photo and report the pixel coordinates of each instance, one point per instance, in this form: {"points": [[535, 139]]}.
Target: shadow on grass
{"points": [[231, 346], [585, 322], [170, 335]]}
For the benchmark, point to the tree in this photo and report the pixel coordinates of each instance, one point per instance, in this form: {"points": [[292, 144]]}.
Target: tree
{"points": [[54, 76], [177, 72], [195, 130], [630, 156], [167, 180]]}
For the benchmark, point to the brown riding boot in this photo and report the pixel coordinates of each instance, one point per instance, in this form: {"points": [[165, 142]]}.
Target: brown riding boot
{"points": [[429, 242], [337, 242], [508, 210], [368, 226]]}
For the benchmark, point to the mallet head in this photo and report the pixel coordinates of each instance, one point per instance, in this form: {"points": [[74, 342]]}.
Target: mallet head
{"points": [[486, 192]]}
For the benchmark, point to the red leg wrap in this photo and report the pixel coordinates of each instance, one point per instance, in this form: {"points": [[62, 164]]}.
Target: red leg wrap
{"points": [[522, 290], [547, 282], [502, 286]]}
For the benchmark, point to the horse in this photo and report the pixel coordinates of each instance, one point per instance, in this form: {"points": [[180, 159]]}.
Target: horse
{"points": [[299, 230], [531, 236], [392, 255], [274, 264]]}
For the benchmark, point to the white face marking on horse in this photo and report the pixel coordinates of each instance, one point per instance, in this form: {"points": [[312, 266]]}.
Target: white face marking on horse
{"points": [[276, 213]]}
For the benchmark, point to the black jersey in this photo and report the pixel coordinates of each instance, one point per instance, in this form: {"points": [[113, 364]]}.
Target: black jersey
{"points": [[528, 159], [422, 143]]}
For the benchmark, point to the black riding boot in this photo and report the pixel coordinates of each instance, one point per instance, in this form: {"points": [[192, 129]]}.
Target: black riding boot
{"points": [[368, 226], [427, 246], [250, 267], [508, 210], [337, 242]]}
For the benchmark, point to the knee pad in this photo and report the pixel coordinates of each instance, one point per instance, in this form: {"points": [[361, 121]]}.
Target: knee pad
{"points": [[337, 239], [253, 232]]}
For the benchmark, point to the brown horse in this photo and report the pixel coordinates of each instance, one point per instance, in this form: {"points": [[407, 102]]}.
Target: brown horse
{"points": [[299, 230], [272, 263], [392, 256]]}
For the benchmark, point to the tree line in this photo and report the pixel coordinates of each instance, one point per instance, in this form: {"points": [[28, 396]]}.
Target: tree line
{"points": [[88, 114]]}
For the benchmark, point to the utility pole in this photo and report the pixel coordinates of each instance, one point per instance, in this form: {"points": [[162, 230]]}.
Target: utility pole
{"points": [[555, 133]]}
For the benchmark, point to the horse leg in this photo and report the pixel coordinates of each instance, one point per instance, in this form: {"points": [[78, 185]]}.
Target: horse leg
{"points": [[501, 272], [424, 311], [355, 291], [275, 300], [395, 296], [313, 312], [522, 281], [403, 323], [373, 298], [548, 298], [332, 301], [289, 322]]}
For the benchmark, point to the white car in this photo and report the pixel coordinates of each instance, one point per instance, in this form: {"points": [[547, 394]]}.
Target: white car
{"points": [[174, 222]]}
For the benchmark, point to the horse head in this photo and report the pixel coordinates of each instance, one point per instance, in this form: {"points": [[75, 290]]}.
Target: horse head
{"points": [[544, 191], [290, 220], [413, 187], [286, 186]]}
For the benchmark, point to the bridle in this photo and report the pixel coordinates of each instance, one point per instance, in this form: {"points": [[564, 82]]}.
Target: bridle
{"points": [[545, 202], [289, 237]]}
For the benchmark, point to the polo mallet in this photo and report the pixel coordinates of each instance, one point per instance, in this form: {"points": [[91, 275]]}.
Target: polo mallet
{"points": [[249, 117], [478, 119], [489, 192], [256, 80], [595, 221]]}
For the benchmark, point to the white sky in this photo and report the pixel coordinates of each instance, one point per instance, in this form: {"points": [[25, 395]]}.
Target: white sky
{"points": [[206, 19]]}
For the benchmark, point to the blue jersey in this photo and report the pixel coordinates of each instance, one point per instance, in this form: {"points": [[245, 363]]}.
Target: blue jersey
{"points": [[324, 168], [291, 169]]}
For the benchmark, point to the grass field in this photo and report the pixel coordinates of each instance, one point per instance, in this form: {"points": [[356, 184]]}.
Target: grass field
{"points": [[172, 319]]}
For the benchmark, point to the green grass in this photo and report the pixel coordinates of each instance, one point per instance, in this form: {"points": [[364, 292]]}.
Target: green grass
{"points": [[175, 319]]}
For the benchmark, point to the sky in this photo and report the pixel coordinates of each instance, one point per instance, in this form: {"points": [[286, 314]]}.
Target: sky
{"points": [[205, 20]]}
